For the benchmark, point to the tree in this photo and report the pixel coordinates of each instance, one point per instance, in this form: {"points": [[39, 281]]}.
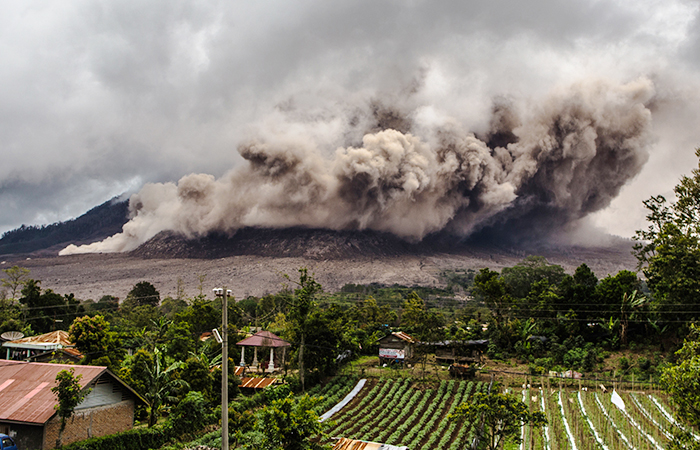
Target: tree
{"points": [[143, 293], [48, 311], [681, 382], [69, 395], [160, 384], [492, 289], [15, 278], [93, 338], [290, 424], [501, 416], [423, 324], [520, 277], [300, 308], [668, 251]]}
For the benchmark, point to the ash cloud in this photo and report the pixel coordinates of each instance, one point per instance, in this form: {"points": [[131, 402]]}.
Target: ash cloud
{"points": [[411, 169]]}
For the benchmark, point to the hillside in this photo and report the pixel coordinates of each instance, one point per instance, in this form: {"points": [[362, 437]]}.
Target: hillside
{"points": [[98, 223]]}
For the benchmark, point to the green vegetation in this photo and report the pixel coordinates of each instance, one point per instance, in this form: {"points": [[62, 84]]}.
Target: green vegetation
{"points": [[535, 318], [69, 395]]}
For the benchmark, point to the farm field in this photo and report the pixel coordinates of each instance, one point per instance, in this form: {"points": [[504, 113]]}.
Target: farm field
{"points": [[403, 412]]}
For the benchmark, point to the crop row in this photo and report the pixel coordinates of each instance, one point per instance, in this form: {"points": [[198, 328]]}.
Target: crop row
{"points": [[396, 413]]}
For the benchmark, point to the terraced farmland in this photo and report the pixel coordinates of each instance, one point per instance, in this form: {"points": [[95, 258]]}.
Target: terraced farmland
{"points": [[397, 412]]}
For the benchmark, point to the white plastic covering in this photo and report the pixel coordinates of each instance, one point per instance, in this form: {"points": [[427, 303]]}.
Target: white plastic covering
{"points": [[348, 398], [617, 400]]}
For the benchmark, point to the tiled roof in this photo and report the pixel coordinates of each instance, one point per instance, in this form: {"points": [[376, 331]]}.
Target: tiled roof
{"points": [[264, 339], [25, 388]]}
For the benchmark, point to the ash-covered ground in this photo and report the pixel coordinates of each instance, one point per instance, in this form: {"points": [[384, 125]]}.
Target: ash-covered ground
{"points": [[254, 263]]}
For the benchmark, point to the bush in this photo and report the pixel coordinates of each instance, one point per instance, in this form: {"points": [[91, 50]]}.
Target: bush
{"points": [[624, 363], [191, 414], [140, 438], [643, 363]]}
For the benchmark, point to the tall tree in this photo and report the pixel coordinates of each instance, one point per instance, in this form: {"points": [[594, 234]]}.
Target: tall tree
{"points": [[143, 293], [161, 384], [668, 251], [15, 278], [500, 415], [47, 311], [302, 304], [69, 395], [93, 338]]}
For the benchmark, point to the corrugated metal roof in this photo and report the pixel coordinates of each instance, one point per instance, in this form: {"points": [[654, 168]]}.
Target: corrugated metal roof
{"points": [[240, 370], [48, 341], [25, 388], [257, 383], [352, 444], [264, 339], [404, 336]]}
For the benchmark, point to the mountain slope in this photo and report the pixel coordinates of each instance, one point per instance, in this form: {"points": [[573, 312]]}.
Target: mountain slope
{"points": [[98, 223]]}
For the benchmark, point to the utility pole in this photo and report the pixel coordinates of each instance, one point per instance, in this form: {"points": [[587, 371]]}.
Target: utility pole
{"points": [[224, 293]]}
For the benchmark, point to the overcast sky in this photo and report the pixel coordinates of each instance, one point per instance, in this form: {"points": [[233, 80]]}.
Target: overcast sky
{"points": [[99, 97]]}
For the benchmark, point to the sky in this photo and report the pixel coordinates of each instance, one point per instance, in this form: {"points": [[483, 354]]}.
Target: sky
{"points": [[99, 98]]}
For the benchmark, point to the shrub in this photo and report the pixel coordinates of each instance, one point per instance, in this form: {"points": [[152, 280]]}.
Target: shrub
{"points": [[624, 363], [191, 414], [140, 438]]}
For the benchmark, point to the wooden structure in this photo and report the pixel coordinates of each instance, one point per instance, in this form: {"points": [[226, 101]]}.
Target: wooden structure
{"points": [[396, 347], [459, 352]]}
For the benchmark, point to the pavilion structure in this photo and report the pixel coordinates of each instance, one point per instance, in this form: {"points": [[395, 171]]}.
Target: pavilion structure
{"points": [[264, 339]]}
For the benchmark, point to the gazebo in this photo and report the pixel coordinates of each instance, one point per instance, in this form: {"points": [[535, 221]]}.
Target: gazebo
{"points": [[264, 339]]}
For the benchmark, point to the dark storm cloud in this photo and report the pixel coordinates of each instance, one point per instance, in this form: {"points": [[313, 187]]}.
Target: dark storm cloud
{"points": [[97, 96]]}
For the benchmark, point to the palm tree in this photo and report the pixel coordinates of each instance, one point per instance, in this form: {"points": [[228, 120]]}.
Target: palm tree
{"points": [[628, 307], [160, 385]]}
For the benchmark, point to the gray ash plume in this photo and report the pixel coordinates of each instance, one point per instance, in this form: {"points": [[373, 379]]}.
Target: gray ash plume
{"points": [[406, 172]]}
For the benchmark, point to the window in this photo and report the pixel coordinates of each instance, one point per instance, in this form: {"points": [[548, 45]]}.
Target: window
{"points": [[7, 442]]}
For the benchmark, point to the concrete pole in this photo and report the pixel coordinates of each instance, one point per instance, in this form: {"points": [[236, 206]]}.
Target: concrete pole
{"points": [[224, 377], [223, 293]]}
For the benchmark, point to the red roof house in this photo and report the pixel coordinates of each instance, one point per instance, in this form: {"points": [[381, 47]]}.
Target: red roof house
{"points": [[27, 404]]}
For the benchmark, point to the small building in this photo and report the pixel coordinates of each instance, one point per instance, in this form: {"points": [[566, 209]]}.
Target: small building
{"points": [[459, 352], [396, 347], [27, 412], [43, 348], [265, 339]]}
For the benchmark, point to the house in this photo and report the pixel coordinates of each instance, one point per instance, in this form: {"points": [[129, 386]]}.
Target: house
{"points": [[459, 352], [27, 412], [43, 348], [397, 347]]}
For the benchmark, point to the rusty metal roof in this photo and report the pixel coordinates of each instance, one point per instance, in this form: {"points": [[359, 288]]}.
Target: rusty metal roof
{"points": [[352, 444], [403, 336], [25, 388], [48, 341], [257, 383], [264, 339], [240, 370]]}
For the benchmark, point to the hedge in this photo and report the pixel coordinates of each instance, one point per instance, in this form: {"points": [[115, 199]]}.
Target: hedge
{"points": [[136, 439]]}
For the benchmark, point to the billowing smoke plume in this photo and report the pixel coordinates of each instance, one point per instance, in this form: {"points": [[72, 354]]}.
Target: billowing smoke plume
{"points": [[417, 172]]}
